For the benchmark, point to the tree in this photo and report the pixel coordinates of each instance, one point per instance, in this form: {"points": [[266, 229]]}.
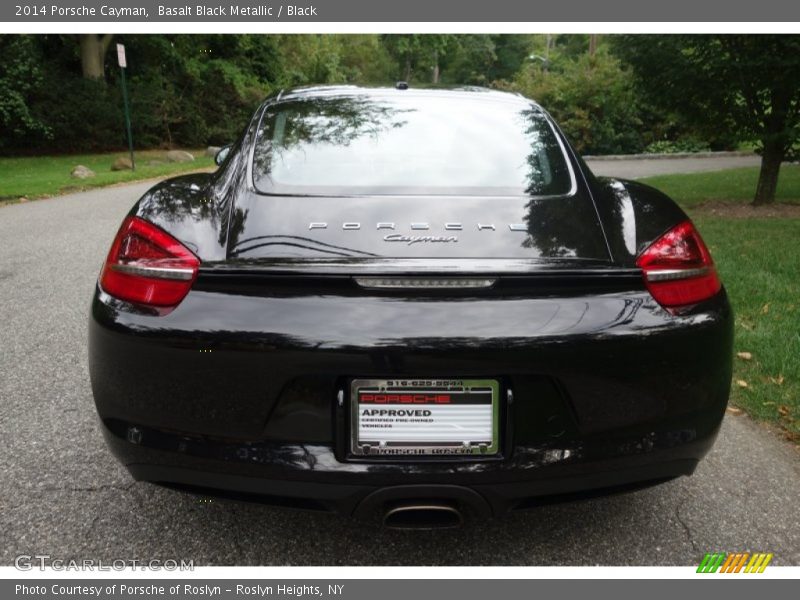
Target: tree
{"points": [[402, 48], [419, 53], [593, 44], [481, 59], [471, 59], [592, 98], [20, 77], [747, 86], [511, 50], [93, 54]]}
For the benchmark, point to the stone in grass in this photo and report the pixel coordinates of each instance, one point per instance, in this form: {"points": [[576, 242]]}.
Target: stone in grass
{"points": [[82, 172], [179, 156], [155, 163], [122, 164], [212, 151]]}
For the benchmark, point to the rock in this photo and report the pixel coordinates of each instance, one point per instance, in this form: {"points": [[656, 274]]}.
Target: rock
{"points": [[155, 163], [179, 156], [82, 172], [212, 151], [122, 164]]}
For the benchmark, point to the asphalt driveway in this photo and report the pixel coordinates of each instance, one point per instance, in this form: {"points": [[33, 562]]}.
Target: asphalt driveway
{"points": [[62, 493], [635, 168]]}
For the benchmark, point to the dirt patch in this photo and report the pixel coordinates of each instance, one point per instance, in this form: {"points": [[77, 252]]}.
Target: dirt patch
{"points": [[736, 210]]}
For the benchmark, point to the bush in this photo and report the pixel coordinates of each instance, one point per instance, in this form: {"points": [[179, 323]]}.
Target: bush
{"points": [[81, 114], [20, 77], [677, 146], [184, 90], [195, 90], [593, 100]]}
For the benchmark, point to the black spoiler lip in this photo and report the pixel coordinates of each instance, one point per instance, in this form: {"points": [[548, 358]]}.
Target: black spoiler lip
{"points": [[399, 266]]}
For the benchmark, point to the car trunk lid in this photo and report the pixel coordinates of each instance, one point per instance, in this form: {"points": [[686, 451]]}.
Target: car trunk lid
{"points": [[415, 229]]}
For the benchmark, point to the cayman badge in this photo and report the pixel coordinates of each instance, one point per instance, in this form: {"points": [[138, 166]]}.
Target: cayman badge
{"points": [[415, 239]]}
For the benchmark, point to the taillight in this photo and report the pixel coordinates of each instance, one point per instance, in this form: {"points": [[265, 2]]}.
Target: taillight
{"points": [[678, 269], [148, 266]]}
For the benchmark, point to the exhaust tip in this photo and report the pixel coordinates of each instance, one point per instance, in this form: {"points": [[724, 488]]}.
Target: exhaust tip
{"points": [[423, 516]]}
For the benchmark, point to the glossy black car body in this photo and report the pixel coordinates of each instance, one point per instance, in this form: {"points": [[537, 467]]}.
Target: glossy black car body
{"points": [[243, 387]]}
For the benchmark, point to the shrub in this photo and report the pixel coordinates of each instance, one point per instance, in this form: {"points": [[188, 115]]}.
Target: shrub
{"points": [[591, 97], [677, 146]]}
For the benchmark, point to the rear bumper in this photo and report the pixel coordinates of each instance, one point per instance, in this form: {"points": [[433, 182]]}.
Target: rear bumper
{"points": [[237, 393], [311, 477]]}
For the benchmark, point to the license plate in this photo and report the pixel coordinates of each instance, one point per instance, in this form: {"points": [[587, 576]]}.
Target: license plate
{"points": [[424, 417]]}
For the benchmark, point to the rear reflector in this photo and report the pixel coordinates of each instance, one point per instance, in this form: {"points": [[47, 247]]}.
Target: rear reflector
{"points": [[678, 269], [148, 266]]}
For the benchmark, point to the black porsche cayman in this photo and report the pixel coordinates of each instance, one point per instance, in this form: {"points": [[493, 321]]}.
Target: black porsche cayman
{"points": [[408, 305]]}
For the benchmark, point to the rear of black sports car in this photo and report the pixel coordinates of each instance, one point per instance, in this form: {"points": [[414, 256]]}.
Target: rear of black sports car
{"points": [[414, 305]]}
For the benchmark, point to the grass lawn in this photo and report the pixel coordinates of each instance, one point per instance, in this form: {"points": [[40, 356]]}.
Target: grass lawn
{"points": [[732, 185], [39, 176], [759, 262]]}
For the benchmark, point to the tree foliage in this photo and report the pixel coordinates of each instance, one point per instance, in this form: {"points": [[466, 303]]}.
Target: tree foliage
{"points": [[185, 90], [615, 95], [20, 78], [745, 87], [592, 98]]}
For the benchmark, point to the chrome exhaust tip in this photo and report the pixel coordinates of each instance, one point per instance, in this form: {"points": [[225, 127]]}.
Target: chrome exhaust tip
{"points": [[424, 516]]}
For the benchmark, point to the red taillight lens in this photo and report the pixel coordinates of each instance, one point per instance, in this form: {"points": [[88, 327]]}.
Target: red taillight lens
{"points": [[148, 266], [678, 269]]}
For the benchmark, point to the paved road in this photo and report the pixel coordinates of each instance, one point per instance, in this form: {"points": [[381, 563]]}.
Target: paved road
{"points": [[62, 493], [634, 169]]}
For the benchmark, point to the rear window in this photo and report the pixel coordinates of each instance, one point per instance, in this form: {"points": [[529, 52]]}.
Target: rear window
{"points": [[410, 144]]}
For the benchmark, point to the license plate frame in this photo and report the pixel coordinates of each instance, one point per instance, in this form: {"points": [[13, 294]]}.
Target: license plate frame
{"points": [[452, 409]]}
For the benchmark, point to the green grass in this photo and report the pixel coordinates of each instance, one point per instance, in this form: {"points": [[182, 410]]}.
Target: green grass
{"points": [[732, 185], [759, 262], [40, 176]]}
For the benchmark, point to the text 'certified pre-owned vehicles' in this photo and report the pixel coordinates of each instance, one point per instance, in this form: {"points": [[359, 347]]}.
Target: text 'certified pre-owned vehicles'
{"points": [[408, 305]]}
